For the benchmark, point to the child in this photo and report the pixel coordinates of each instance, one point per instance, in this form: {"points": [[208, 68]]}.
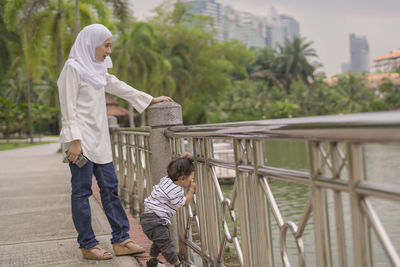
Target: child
{"points": [[162, 203]]}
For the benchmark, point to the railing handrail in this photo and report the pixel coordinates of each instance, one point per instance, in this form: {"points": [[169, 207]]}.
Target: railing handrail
{"points": [[383, 127], [336, 177]]}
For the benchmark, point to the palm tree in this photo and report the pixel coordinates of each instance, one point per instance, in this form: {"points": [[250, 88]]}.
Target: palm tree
{"points": [[8, 39], [354, 95], [293, 62], [138, 61], [77, 18], [42, 23], [264, 67], [31, 37]]}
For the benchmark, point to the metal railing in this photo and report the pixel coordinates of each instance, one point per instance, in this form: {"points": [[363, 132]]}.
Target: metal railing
{"points": [[250, 220]]}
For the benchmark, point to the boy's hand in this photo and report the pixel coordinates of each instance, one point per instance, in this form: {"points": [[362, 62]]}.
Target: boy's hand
{"points": [[186, 155], [192, 186]]}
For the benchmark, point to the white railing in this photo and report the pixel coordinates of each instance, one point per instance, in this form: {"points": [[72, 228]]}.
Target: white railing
{"points": [[339, 210]]}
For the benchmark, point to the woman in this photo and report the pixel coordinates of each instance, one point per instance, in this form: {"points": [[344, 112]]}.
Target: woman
{"points": [[82, 85]]}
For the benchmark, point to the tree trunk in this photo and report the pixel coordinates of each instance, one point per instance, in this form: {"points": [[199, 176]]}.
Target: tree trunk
{"points": [[59, 55], [143, 119], [77, 18], [29, 89], [131, 118], [59, 60]]}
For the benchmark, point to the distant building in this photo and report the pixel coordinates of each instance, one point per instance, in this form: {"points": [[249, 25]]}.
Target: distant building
{"points": [[274, 29], [372, 80], [243, 26], [290, 27], [252, 30], [207, 8], [387, 62], [359, 53], [345, 67]]}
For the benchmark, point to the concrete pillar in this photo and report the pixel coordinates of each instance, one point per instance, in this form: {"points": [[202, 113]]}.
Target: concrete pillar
{"points": [[161, 116], [112, 122]]}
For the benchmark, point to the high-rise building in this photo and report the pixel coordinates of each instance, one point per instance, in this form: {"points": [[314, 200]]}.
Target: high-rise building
{"points": [[252, 30], [274, 33], [359, 53], [290, 27], [243, 26], [207, 8], [345, 67]]}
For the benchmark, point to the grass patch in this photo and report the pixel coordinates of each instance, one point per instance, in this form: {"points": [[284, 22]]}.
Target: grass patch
{"points": [[13, 145]]}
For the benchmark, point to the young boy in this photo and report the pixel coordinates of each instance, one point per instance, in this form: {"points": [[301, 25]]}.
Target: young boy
{"points": [[164, 200]]}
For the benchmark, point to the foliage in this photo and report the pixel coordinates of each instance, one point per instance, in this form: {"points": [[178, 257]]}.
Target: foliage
{"points": [[13, 145], [176, 54]]}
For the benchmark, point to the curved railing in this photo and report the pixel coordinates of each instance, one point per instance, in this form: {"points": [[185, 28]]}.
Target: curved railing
{"points": [[249, 221]]}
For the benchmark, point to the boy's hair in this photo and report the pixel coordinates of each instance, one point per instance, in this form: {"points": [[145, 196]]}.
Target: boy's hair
{"points": [[180, 167]]}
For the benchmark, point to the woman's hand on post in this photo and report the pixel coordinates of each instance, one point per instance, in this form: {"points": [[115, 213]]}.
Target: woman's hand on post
{"points": [[161, 99], [74, 150]]}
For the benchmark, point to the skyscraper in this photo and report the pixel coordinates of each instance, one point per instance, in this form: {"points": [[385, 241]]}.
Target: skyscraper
{"points": [[274, 29], [243, 26], [207, 8], [290, 27], [359, 53], [250, 29]]}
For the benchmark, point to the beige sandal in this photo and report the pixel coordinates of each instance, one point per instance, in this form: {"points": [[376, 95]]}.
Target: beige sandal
{"points": [[96, 253], [127, 247]]}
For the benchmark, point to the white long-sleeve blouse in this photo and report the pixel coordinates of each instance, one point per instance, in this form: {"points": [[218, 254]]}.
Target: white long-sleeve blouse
{"points": [[84, 114]]}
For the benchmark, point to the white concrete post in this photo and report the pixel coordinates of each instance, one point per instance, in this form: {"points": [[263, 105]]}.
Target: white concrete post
{"points": [[161, 116]]}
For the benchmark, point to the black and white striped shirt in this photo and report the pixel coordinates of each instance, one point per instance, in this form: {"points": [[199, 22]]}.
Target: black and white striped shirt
{"points": [[165, 199]]}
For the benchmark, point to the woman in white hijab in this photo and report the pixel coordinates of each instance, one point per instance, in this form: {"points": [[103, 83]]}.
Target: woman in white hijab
{"points": [[82, 85]]}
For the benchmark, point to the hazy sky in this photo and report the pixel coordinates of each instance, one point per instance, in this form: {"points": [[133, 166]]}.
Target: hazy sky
{"points": [[327, 23]]}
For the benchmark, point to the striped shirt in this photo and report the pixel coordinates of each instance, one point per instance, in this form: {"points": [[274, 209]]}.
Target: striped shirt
{"points": [[165, 199]]}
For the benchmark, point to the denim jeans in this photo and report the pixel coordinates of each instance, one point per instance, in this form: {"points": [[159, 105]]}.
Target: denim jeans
{"points": [[81, 181]]}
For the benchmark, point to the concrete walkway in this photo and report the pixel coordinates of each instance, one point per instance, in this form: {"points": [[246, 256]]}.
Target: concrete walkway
{"points": [[36, 227]]}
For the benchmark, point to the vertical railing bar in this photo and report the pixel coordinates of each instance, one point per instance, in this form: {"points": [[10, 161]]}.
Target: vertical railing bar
{"points": [[129, 176], [321, 227], [338, 204], [197, 151], [242, 204], [213, 226], [265, 247], [140, 179], [252, 205], [361, 238], [149, 181]]}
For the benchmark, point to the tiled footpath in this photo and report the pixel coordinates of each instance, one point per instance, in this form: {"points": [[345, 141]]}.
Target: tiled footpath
{"points": [[135, 232], [36, 227]]}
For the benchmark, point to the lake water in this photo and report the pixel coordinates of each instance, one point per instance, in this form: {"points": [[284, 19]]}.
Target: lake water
{"points": [[382, 165]]}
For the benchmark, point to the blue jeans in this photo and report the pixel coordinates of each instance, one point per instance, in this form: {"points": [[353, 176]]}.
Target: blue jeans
{"points": [[81, 181]]}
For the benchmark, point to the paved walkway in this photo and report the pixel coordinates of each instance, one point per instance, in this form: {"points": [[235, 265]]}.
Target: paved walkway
{"points": [[36, 227]]}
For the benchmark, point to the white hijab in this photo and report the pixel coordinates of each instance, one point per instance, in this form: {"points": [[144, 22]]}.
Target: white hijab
{"points": [[83, 58]]}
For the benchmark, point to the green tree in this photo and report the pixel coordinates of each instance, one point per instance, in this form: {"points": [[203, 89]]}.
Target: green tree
{"points": [[390, 94], [293, 62], [265, 67], [9, 45], [138, 60], [352, 95], [7, 116]]}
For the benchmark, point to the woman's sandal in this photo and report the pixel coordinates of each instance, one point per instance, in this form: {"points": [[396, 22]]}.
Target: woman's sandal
{"points": [[127, 247], [96, 253]]}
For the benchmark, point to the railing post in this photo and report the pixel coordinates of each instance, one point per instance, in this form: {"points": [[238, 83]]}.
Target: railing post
{"points": [[361, 235], [161, 116]]}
